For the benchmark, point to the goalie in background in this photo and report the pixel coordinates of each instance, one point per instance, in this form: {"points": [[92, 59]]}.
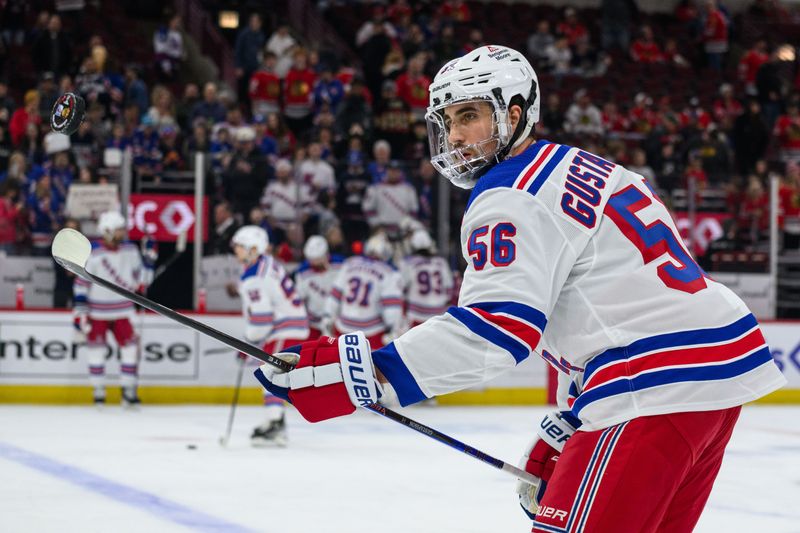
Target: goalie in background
{"points": [[98, 311], [275, 317]]}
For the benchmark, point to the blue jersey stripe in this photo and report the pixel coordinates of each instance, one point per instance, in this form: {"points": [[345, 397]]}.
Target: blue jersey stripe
{"points": [[561, 152], [673, 375], [672, 340], [395, 370], [491, 333], [519, 310]]}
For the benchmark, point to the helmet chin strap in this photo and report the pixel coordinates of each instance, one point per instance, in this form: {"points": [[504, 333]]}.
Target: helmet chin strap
{"points": [[523, 126]]}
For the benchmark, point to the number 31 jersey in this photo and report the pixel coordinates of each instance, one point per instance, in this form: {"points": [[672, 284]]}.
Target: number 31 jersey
{"points": [[575, 258]]}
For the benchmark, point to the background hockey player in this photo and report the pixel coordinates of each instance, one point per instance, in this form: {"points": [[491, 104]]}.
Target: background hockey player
{"points": [[573, 253], [274, 314], [427, 280], [368, 294], [313, 279], [98, 311]]}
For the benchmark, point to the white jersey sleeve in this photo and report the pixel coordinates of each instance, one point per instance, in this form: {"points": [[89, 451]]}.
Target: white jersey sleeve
{"points": [[257, 309], [392, 300]]}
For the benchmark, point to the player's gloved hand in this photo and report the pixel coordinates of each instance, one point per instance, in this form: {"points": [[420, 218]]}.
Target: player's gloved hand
{"points": [[540, 459], [81, 327], [149, 249], [332, 377]]}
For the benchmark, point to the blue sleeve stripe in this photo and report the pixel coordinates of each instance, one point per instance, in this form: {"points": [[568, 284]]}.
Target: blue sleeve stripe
{"points": [[518, 310], [80, 298], [672, 340], [673, 375], [518, 351], [561, 151], [395, 370]]}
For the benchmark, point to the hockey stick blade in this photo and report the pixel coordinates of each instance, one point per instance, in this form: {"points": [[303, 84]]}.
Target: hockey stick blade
{"points": [[72, 250]]}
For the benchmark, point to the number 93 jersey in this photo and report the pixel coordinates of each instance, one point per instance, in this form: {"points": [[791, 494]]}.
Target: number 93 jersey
{"points": [[569, 251]]}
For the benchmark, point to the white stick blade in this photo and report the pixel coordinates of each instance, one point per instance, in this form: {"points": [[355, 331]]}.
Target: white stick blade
{"points": [[71, 250]]}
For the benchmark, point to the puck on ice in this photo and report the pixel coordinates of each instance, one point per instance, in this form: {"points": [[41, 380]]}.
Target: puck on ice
{"points": [[191, 446]]}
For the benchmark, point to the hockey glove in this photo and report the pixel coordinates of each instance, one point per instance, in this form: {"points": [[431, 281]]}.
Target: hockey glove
{"points": [[332, 377], [81, 327], [149, 249], [540, 460]]}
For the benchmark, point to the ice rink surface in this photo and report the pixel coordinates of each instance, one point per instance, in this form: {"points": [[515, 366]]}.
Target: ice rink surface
{"points": [[82, 469]]}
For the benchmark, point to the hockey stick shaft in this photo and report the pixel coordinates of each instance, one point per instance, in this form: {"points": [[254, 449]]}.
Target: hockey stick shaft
{"points": [[71, 250], [234, 401]]}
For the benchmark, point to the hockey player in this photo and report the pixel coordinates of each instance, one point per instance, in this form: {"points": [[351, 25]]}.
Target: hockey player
{"points": [[367, 295], [274, 313], [314, 279], [98, 311], [427, 280], [572, 252]]}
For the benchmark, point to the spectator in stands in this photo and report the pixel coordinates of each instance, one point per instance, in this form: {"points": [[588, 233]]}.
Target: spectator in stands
{"points": [[645, 49], [727, 107], [787, 132], [353, 182], [52, 49], [583, 117], [328, 90], [418, 147], [246, 173], [278, 130], [225, 226], [144, 145], [393, 64], [668, 168], [136, 90], [715, 35], [614, 122], [5, 146], [378, 24], [673, 56], [209, 107], [221, 148], [538, 43], [14, 15], [249, 45], [750, 137], [749, 64], [20, 170], [639, 165], [392, 117], [11, 210], [162, 112], [298, 94], [173, 158], [426, 183], [266, 144], [771, 87], [387, 203], [474, 40], [412, 87], [286, 201], [559, 57], [185, 105], [572, 28], [198, 141], [44, 208], [354, 111], [753, 219], [7, 104], [447, 44], [315, 172], [694, 173], [715, 154], [616, 21], [31, 144], [281, 43], [455, 11], [168, 48], [265, 87], [587, 62], [382, 154], [29, 114], [641, 116], [552, 122], [789, 207], [48, 93]]}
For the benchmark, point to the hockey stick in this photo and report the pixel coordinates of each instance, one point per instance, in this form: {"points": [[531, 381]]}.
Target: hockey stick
{"points": [[180, 247], [223, 441], [71, 250]]}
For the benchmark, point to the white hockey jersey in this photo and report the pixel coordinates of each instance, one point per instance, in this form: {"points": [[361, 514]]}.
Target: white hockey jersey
{"points": [[572, 250], [314, 286], [287, 203], [387, 204], [270, 304], [122, 266], [428, 285], [367, 295]]}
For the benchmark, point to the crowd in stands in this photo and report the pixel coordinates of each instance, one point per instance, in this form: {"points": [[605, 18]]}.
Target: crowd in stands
{"points": [[308, 142]]}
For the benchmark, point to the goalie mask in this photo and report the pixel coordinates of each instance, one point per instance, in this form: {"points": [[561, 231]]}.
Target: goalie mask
{"points": [[479, 87]]}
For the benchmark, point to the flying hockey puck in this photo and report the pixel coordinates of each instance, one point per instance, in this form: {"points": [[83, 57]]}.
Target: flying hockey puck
{"points": [[67, 114]]}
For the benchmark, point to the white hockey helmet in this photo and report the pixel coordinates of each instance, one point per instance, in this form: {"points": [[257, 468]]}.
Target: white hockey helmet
{"points": [[378, 247], [316, 248], [492, 74], [251, 237], [110, 221], [421, 240]]}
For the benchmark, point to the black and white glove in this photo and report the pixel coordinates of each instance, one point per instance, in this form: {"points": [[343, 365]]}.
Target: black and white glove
{"points": [[540, 459]]}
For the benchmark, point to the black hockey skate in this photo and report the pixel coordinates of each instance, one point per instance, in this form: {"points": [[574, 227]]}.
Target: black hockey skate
{"points": [[271, 434], [130, 398], [99, 397]]}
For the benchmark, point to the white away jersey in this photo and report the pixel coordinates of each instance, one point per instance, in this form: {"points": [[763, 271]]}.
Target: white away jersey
{"points": [[387, 204], [288, 202], [572, 250], [271, 307], [367, 296], [122, 266], [428, 285], [314, 286]]}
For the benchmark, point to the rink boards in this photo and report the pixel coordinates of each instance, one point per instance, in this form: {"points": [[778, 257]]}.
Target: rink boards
{"points": [[41, 363]]}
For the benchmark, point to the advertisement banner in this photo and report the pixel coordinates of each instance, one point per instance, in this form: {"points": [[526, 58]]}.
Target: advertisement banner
{"points": [[219, 276], [35, 274], [87, 200], [707, 228], [165, 216]]}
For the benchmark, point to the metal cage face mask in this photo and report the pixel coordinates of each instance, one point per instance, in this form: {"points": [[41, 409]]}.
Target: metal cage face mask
{"points": [[458, 162]]}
